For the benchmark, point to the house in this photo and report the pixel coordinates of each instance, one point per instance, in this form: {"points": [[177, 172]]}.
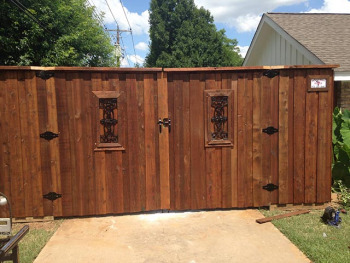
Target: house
{"points": [[304, 39]]}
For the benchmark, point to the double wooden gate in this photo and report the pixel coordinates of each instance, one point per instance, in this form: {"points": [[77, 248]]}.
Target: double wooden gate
{"points": [[78, 141]]}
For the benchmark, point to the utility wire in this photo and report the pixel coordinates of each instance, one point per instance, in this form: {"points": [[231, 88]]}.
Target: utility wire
{"points": [[115, 20], [31, 16], [132, 36]]}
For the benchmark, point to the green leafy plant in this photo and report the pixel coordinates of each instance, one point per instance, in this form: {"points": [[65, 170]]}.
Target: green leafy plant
{"points": [[341, 146], [343, 193]]}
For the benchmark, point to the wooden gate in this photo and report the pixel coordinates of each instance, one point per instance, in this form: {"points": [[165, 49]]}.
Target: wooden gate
{"points": [[130, 140]]}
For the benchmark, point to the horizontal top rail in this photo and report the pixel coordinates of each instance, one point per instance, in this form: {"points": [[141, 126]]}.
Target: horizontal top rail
{"points": [[144, 70]]}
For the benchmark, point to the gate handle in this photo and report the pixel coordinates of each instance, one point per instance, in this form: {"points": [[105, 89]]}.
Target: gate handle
{"points": [[166, 122]]}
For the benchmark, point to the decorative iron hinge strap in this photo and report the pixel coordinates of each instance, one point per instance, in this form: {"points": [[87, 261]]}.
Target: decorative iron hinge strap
{"points": [[45, 74], [270, 130], [270, 187], [48, 135], [52, 196], [271, 73]]}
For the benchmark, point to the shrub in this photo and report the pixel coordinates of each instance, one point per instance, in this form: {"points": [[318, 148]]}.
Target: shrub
{"points": [[341, 146]]}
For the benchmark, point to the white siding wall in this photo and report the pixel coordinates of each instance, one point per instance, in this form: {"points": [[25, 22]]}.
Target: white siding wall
{"points": [[273, 50]]}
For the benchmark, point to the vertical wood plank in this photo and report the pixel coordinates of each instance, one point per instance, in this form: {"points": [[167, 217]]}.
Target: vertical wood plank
{"points": [[178, 122], [213, 156], [274, 138], [72, 177], [54, 144], [311, 145], [14, 142], [249, 141], [291, 139], [45, 156], [133, 143], [5, 179], [163, 112], [186, 137], [150, 147], [171, 97], [257, 137], [198, 162], [226, 152], [241, 158], [299, 136], [123, 135], [89, 140], [283, 143], [64, 145], [266, 139], [19, 196], [234, 153]]}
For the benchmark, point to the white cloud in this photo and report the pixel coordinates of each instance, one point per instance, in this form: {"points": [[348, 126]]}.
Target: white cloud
{"points": [[334, 6], [131, 60], [138, 22], [141, 46], [244, 15], [243, 50]]}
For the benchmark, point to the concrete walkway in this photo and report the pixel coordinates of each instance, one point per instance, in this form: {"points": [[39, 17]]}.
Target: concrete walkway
{"points": [[219, 236]]}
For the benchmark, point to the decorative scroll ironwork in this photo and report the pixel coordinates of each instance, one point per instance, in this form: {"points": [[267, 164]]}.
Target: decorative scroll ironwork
{"points": [[219, 103], [108, 105]]}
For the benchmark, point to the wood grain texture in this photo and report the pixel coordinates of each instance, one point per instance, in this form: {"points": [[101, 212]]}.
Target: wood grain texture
{"points": [[299, 136]]}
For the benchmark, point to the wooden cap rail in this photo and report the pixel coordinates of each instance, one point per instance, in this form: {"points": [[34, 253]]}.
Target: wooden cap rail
{"points": [[199, 69]]}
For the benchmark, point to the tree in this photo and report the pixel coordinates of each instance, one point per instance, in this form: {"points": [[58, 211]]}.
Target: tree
{"points": [[52, 33], [183, 35]]}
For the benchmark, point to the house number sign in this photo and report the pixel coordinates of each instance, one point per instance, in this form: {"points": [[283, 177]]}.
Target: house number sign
{"points": [[318, 83]]}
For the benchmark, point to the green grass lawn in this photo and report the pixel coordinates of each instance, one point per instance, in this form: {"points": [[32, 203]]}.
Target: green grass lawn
{"points": [[307, 233], [38, 235]]}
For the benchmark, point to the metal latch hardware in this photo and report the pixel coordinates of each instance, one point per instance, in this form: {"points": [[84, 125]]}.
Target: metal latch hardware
{"points": [[166, 122]]}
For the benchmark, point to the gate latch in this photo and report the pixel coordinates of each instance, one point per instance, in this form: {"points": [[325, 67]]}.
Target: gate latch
{"points": [[166, 122]]}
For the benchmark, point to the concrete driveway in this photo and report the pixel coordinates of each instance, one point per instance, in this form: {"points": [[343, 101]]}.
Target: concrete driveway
{"points": [[216, 236]]}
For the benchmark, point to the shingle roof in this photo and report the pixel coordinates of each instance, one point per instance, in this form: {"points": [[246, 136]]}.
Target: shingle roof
{"points": [[326, 35]]}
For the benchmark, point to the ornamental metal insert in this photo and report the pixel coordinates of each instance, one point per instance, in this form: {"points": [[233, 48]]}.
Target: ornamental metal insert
{"points": [[108, 105], [219, 103]]}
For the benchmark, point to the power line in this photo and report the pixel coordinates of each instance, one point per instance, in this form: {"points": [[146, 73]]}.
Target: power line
{"points": [[118, 31], [132, 36]]}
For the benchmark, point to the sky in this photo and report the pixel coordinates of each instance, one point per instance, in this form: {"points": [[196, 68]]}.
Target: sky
{"points": [[239, 18]]}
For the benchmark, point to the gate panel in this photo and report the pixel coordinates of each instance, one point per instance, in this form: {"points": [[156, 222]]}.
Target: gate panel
{"points": [[223, 176]]}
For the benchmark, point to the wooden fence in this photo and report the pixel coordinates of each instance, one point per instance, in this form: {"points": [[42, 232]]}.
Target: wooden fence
{"points": [[210, 156]]}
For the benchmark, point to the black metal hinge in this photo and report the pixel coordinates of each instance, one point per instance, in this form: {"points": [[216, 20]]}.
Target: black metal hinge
{"points": [[271, 73], [270, 130], [48, 135], [45, 74], [52, 196], [270, 187]]}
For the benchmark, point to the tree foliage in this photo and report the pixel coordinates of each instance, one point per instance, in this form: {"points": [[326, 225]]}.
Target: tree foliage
{"points": [[69, 35], [183, 35]]}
